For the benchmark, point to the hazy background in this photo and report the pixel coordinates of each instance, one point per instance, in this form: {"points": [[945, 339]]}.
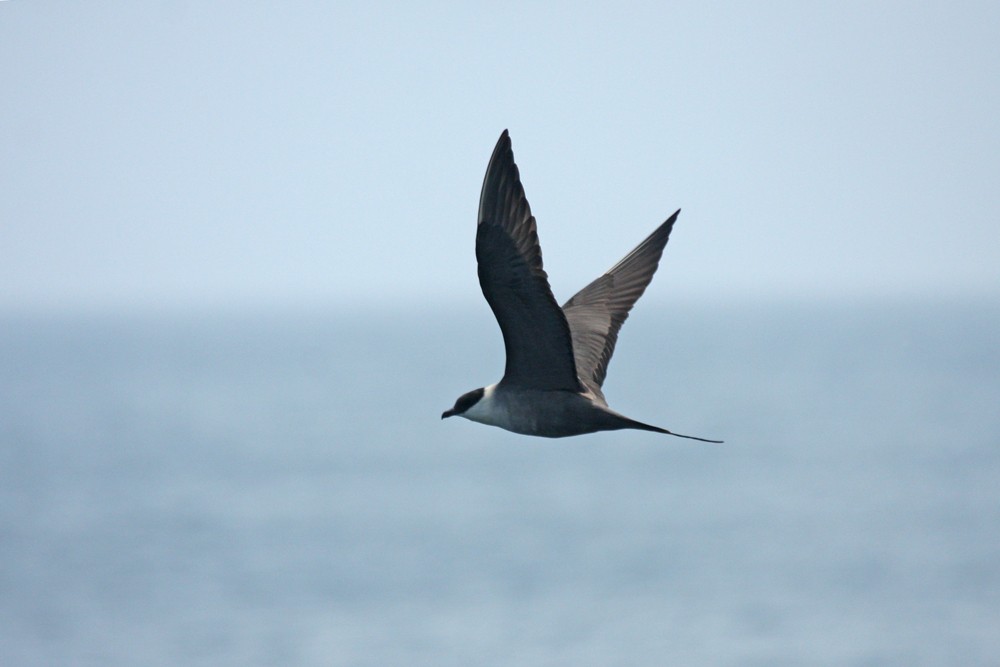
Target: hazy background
{"points": [[178, 153], [237, 290]]}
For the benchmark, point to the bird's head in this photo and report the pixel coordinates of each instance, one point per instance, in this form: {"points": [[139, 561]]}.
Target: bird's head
{"points": [[464, 402]]}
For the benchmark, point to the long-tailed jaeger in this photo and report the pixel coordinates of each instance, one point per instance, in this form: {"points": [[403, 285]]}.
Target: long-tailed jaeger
{"points": [[557, 358]]}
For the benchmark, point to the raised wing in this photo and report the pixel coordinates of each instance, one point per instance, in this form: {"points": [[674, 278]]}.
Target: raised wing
{"points": [[535, 333], [597, 312]]}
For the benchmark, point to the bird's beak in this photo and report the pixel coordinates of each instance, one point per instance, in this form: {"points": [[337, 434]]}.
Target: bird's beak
{"points": [[447, 413]]}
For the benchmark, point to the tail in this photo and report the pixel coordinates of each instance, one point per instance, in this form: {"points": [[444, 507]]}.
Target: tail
{"points": [[656, 429]]}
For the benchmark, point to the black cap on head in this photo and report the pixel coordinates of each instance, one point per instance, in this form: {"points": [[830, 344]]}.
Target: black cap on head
{"points": [[464, 402]]}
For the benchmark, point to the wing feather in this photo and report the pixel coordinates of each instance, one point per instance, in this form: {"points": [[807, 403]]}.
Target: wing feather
{"points": [[536, 335], [596, 313]]}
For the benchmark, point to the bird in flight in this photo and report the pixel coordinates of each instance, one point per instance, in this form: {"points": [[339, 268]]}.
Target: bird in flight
{"points": [[557, 358]]}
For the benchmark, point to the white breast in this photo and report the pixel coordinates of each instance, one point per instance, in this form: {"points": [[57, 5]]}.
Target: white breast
{"points": [[488, 410]]}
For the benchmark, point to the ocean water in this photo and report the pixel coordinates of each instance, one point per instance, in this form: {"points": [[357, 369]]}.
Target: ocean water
{"points": [[278, 489]]}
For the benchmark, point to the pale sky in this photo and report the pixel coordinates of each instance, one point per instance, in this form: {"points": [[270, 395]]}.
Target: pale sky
{"points": [[266, 153]]}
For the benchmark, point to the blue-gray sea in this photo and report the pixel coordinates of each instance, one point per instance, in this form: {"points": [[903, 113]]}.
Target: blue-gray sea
{"points": [[278, 489]]}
